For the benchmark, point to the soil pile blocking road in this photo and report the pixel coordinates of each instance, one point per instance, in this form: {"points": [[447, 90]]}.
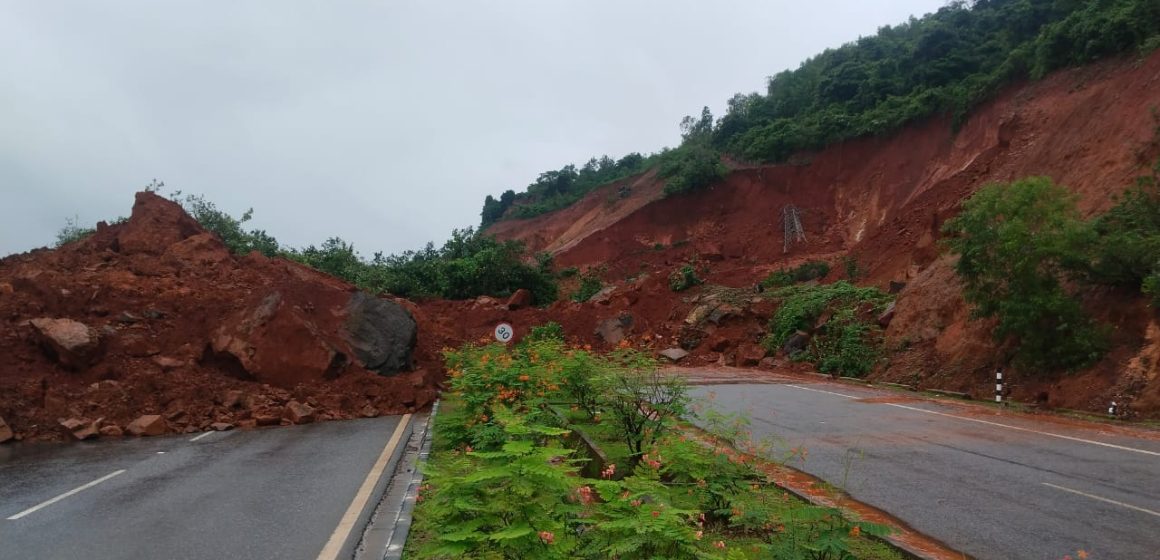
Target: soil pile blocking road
{"points": [[154, 316]]}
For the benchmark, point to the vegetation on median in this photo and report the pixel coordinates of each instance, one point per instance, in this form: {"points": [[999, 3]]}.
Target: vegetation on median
{"points": [[505, 478]]}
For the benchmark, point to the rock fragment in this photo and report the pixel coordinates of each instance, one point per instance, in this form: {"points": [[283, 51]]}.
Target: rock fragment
{"points": [[148, 425], [73, 344]]}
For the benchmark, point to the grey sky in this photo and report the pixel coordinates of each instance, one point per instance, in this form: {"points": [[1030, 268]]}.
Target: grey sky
{"points": [[384, 122]]}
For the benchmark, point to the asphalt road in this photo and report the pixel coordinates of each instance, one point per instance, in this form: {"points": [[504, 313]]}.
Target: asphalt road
{"points": [[274, 493], [992, 485]]}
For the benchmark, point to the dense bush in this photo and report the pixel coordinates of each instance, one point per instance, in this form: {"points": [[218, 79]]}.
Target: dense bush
{"points": [[548, 331], [560, 188], [810, 270], [468, 265], [1128, 251], [696, 164], [849, 342], [228, 228], [1019, 244]]}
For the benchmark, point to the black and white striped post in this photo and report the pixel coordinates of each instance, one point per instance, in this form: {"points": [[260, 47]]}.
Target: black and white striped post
{"points": [[999, 385]]}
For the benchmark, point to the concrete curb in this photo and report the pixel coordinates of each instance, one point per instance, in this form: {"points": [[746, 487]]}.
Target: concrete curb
{"points": [[904, 549], [952, 394], [351, 544], [386, 531]]}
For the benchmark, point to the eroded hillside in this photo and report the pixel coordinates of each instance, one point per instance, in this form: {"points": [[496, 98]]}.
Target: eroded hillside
{"points": [[882, 202]]}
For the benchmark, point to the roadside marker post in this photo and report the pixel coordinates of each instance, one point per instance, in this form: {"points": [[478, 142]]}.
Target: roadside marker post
{"points": [[1112, 409], [999, 385]]}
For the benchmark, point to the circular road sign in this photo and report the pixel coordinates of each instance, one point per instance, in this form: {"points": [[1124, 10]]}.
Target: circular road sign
{"points": [[504, 332]]}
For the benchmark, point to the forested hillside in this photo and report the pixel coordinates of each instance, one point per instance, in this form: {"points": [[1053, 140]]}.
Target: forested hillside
{"points": [[945, 62]]}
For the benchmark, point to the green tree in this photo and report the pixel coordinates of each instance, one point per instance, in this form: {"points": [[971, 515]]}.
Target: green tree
{"points": [[1018, 245]]}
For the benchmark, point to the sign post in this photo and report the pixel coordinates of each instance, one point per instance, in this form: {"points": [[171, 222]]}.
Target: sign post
{"points": [[504, 332]]}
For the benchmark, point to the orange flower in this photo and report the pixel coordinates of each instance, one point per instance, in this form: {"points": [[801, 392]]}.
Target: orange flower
{"points": [[1081, 554]]}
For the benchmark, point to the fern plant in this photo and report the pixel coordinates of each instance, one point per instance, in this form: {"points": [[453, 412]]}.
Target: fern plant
{"points": [[510, 503]]}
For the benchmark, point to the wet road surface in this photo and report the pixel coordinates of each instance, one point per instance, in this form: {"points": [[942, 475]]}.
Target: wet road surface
{"points": [[273, 493], [992, 485]]}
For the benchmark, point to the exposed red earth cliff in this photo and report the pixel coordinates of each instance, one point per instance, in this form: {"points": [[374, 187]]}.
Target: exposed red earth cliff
{"points": [[152, 326], [883, 201]]}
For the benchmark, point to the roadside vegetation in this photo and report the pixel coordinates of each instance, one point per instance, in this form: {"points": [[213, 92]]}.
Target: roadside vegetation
{"points": [[511, 478], [946, 62], [1025, 253]]}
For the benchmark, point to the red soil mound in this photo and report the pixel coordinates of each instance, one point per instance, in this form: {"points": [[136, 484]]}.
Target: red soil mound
{"points": [[177, 326]]}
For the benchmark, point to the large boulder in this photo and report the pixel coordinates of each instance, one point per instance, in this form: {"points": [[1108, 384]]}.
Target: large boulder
{"points": [[674, 354], [381, 332], [613, 330], [276, 343], [797, 342], [73, 344]]}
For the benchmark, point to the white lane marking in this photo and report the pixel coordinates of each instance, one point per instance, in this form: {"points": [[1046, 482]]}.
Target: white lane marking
{"points": [[821, 391], [195, 438], [1010, 427], [43, 505], [334, 546], [1102, 499], [996, 424]]}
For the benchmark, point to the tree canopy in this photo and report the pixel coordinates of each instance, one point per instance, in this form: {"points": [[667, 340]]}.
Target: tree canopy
{"points": [[946, 62]]}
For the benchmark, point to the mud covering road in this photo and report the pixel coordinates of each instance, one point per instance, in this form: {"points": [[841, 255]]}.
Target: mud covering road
{"points": [[278, 493], [992, 485]]}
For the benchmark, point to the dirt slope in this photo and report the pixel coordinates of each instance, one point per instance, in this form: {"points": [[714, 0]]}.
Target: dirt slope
{"points": [[883, 201], [155, 317]]}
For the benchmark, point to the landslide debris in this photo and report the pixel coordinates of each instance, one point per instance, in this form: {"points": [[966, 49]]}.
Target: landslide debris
{"points": [[151, 326]]}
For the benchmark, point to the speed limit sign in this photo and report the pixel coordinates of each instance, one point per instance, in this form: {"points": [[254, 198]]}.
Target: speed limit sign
{"points": [[504, 332]]}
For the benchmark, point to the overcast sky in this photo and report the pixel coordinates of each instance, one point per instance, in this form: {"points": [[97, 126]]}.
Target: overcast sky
{"points": [[386, 122]]}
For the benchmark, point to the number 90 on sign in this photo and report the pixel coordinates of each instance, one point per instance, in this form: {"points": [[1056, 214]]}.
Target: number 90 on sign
{"points": [[504, 332]]}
